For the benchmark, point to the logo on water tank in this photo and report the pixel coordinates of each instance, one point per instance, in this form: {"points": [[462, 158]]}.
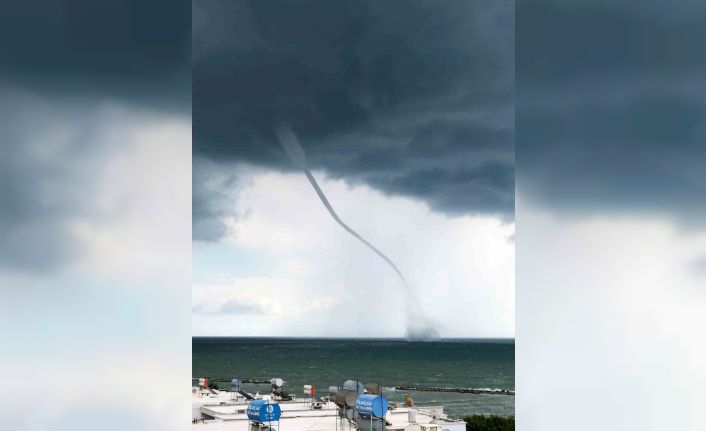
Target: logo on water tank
{"points": [[270, 409]]}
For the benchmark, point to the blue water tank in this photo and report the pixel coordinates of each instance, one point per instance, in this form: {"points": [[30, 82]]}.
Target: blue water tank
{"points": [[263, 411], [371, 405]]}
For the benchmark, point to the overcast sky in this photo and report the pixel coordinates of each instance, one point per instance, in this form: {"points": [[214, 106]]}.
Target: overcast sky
{"points": [[405, 110], [611, 214], [94, 218]]}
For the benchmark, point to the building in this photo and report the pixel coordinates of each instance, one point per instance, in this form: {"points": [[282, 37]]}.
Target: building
{"points": [[214, 410]]}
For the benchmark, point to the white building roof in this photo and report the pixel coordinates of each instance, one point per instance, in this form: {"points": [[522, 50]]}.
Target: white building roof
{"points": [[229, 414]]}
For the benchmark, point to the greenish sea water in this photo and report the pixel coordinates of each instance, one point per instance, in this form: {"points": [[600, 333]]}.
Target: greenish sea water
{"points": [[486, 363]]}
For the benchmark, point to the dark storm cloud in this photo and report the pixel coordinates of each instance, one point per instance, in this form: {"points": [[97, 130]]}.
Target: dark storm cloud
{"points": [[46, 172], [390, 94], [485, 189], [62, 64], [212, 198], [612, 106], [207, 215], [133, 49]]}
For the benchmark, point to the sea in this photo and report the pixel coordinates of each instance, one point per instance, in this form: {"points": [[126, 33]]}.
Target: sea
{"points": [[454, 363]]}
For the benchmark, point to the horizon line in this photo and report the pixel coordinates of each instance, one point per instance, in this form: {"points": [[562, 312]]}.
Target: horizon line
{"points": [[348, 338]]}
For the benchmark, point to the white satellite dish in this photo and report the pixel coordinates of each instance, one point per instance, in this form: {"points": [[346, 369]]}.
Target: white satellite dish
{"points": [[354, 385]]}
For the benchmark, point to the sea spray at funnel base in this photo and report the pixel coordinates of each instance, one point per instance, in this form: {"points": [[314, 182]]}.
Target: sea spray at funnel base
{"points": [[418, 326]]}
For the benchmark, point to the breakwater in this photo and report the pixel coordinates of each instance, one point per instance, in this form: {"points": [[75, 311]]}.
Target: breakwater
{"points": [[456, 390]]}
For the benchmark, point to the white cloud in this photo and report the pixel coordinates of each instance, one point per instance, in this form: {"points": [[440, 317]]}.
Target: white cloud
{"points": [[142, 200], [609, 312], [317, 280], [89, 334], [115, 387]]}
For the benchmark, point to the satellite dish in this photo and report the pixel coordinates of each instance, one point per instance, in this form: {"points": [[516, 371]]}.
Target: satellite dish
{"points": [[276, 381], [354, 385]]}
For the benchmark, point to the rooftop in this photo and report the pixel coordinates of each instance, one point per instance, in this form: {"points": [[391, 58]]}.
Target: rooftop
{"points": [[221, 410]]}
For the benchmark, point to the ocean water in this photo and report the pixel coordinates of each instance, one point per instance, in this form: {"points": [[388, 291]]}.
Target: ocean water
{"points": [[329, 362]]}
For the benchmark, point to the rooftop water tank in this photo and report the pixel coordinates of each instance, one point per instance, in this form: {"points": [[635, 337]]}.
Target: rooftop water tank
{"points": [[263, 411], [371, 405], [373, 388], [346, 397]]}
